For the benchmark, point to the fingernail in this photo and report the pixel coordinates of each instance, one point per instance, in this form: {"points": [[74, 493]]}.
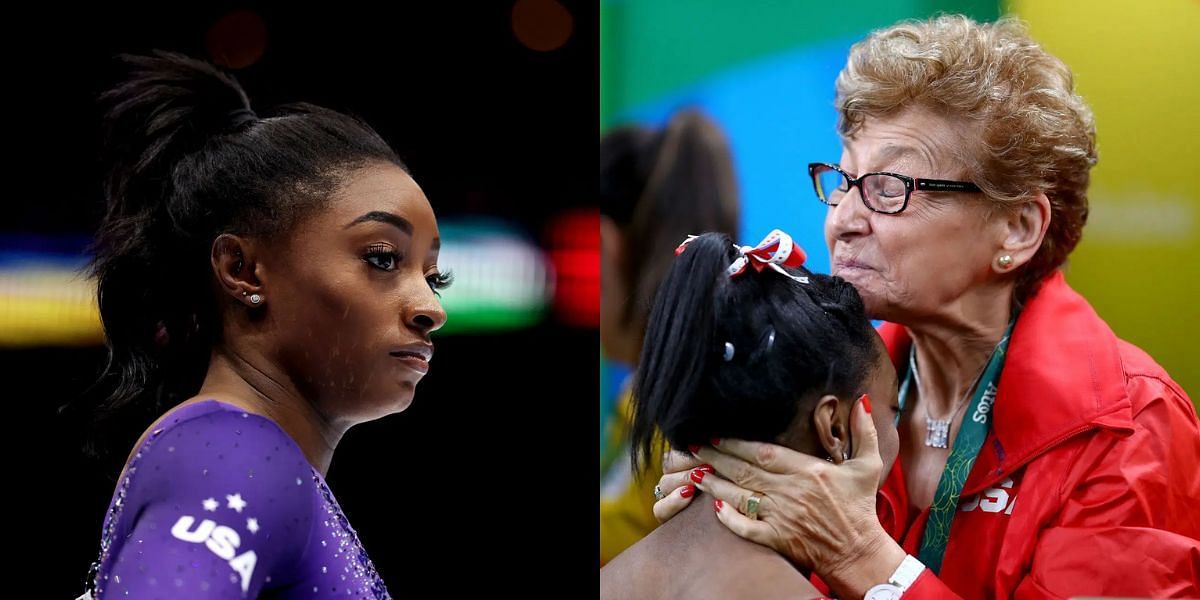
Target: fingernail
{"points": [[706, 468], [716, 441], [717, 504], [697, 475], [687, 491], [866, 402], [693, 449]]}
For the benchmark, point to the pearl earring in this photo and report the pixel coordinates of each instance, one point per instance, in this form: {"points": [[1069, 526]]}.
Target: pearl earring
{"points": [[1005, 261]]}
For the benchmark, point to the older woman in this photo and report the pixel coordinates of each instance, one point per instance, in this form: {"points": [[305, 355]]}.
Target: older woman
{"points": [[1040, 455]]}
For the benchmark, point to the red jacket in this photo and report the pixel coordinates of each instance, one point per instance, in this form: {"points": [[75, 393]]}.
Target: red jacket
{"points": [[1089, 482]]}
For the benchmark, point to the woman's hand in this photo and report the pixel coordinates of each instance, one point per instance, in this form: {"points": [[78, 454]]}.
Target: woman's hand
{"points": [[817, 514], [676, 485]]}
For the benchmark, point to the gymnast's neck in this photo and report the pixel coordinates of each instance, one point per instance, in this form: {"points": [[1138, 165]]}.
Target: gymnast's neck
{"points": [[693, 555]]}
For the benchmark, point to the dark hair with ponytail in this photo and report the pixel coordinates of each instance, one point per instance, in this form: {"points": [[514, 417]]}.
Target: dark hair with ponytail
{"points": [[658, 186], [186, 160], [823, 343]]}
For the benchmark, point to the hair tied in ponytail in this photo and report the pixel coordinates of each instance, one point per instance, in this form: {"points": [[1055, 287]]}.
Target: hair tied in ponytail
{"points": [[241, 116]]}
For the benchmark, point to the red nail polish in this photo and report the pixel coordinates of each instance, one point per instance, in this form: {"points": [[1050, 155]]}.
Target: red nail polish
{"points": [[697, 475], [706, 468], [693, 449], [717, 504], [866, 402], [716, 441], [687, 491]]}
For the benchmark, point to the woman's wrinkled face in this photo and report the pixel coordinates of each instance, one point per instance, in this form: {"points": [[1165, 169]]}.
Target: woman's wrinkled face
{"points": [[915, 263], [357, 302]]}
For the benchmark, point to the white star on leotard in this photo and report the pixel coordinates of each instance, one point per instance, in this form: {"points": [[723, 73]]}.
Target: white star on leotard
{"points": [[235, 502], [210, 505], [252, 525]]}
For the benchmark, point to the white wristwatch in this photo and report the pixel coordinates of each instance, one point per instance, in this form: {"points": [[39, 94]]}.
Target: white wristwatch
{"points": [[904, 576]]}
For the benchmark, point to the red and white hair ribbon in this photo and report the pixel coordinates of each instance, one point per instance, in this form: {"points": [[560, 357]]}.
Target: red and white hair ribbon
{"points": [[776, 251], [681, 246]]}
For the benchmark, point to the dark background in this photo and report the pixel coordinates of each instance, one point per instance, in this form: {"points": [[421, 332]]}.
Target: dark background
{"points": [[485, 481]]}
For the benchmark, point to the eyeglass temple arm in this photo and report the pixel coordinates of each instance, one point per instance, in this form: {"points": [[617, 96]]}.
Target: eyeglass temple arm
{"points": [[942, 185]]}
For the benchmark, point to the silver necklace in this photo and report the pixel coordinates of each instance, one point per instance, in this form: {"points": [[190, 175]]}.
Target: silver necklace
{"points": [[937, 431]]}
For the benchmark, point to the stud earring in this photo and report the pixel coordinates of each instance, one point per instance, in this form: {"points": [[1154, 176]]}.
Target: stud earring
{"points": [[1005, 261], [255, 299]]}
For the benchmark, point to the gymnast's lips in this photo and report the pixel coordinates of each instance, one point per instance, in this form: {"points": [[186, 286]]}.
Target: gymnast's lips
{"points": [[414, 356]]}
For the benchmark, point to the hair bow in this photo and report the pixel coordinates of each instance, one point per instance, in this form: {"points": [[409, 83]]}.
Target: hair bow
{"points": [[776, 251]]}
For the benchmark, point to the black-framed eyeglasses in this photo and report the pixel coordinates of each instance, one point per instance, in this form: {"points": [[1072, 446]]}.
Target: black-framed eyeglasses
{"points": [[882, 192]]}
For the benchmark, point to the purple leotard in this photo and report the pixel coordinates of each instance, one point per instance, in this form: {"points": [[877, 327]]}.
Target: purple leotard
{"points": [[220, 503]]}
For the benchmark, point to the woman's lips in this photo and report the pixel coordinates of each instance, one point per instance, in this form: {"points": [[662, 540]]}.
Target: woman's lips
{"points": [[412, 361], [844, 264], [414, 356]]}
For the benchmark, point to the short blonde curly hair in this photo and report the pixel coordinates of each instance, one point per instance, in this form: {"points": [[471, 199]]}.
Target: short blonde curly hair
{"points": [[1035, 133]]}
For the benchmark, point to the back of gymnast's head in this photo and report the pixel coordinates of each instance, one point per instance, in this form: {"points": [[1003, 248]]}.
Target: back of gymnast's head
{"points": [[791, 343], [187, 160]]}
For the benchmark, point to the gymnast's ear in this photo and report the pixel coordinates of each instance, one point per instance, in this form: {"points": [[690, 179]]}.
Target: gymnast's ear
{"points": [[237, 265], [830, 428]]}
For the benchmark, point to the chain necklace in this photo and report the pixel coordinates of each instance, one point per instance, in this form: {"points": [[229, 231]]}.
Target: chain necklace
{"points": [[937, 431]]}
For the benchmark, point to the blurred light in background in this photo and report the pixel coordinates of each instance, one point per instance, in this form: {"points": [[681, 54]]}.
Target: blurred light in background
{"points": [[500, 278], [542, 25], [44, 298], [237, 40], [574, 242]]}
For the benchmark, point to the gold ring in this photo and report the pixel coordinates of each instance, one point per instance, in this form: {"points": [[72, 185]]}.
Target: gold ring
{"points": [[752, 504]]}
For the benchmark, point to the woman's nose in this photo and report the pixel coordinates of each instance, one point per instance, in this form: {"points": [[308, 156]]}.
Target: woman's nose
{"points": [[850, 215], [427, 315]]}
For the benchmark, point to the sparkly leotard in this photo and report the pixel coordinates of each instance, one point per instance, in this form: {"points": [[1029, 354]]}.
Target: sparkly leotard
{"points": [[220, 503]]}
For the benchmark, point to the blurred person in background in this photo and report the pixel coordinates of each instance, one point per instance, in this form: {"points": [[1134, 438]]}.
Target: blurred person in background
{"points": [[656, 186], [1040, 455], [782, 356], [265, 284]]}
